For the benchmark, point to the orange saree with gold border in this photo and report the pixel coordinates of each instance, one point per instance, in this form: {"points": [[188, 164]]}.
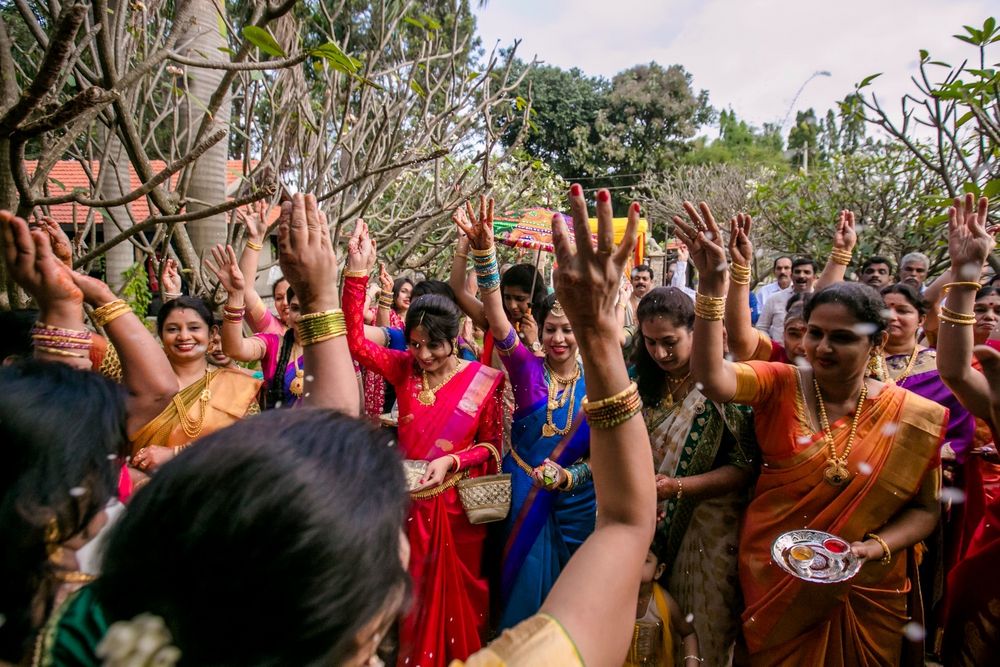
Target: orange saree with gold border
{"points": [[894, 464]]}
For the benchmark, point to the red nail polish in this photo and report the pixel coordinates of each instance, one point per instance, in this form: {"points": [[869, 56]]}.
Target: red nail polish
{"points": [[576, 190], [635, 206], [603, 195]]}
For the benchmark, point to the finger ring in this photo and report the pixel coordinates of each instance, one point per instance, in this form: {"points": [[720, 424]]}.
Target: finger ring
{"points": [[549, 473]]}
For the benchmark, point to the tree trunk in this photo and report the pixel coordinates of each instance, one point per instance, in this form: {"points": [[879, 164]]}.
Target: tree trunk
{"points": [[207, 185], [114, 182]]}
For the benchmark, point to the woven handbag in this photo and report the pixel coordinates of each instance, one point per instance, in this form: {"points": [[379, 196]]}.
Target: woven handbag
{"points": [[486, 499]]}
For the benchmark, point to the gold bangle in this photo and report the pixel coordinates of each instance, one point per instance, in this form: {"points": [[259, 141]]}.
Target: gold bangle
{"points": [[322, 326], [740, 274], [483, 253], [568, 484], [968, 283], [60, 353], [950, 316], [841, 257], [614, 410], [255, 246], [710, 308], [350, 273], [886, 552], [105, 314], [458, 462], [957, 322], [594, 405], [680, 490], [462, 255]]}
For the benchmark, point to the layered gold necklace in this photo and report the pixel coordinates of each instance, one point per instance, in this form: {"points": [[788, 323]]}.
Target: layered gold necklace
{"points": [[192, 428], [556, 402], [673, 385], [910, 363], [837, 472], [427, 395]]}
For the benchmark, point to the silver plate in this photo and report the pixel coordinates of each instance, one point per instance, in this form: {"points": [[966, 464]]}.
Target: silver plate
{"points": [[824, 566]]}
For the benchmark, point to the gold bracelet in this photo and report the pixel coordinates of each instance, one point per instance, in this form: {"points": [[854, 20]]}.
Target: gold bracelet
{"points": [[841, 257], [971, 285], [60, 353], [948, 315], [105, 314], [710, 308], [360, 273], [740, 274], [483, 253], [568, 484], [255, 246], [462, 255], [458, 462], [319, 327], [615, 410], [594, 405], [886, 552], [680, 490]]}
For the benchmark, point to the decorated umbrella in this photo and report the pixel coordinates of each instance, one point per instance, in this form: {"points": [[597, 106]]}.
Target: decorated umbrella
{"points": [[532, 228]]}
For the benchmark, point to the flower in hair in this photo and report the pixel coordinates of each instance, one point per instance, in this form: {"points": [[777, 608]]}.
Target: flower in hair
{"points": [[142, 642]]}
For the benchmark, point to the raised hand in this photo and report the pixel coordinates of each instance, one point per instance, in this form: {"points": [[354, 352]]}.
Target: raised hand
{"points": [[61, 247], [704, 241], [171, 277], [844, 236], [227, 269], [478, 228], [683, 254], [306, 254], [969, 242], [95, 291], [256, 222], [588, 277], [740, 247], [384, 279], [361, 250], [34, 266]]}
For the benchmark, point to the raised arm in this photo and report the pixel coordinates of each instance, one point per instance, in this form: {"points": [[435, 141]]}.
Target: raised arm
{"points": [[708, 365], [594, 597], [467, 301], [256, 224], [969, 243], [384, 298], [478, 229], [844, 239], [146, 372], [34, 266], [310, 265], [234, 344], [742, 337]]}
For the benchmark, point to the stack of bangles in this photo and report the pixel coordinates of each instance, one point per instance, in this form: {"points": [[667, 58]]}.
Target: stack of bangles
{"points": [[60, 342], [253, 245], [487, 270], [349, 273], [741, 274], [385, 300], [103, 316], [318, 327], [233, 313], [613, 410], [711, 308], [959, 319], [576, 475], [841, 256]]}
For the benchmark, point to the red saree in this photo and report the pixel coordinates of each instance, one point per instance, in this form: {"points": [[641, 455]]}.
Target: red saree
{"points": [[791, 622], [448, 617]]}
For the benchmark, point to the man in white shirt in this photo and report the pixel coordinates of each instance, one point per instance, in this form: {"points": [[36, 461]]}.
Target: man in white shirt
{"points": [[782, 269], [772, 320]]}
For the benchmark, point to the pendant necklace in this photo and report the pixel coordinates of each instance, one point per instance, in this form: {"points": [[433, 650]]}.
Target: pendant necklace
{"points": [[837, 472], [554, 380], [427, 394], [667, 401], [297, 384], [911, 362]]}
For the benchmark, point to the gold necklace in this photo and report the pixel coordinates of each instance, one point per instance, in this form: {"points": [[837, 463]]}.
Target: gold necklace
{"points": [[297, 385], [549, 428], [668, 400], [427, 394], [836, 472], [906, 371], [192, 428]]}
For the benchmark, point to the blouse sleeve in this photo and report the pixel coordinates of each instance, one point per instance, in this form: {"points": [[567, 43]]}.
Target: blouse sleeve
{"points": [[523, 367], [263, 321], [393, 365], [759, 382]]}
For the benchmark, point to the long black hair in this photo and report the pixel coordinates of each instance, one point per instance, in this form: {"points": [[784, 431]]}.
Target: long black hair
{"points": [[274, 393], [397, 287], [271, 542], [62, 431], [437, 314], [674, 305]]}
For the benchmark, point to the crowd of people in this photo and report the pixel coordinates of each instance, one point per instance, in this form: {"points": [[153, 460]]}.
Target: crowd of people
{"points": [[478, 471]]}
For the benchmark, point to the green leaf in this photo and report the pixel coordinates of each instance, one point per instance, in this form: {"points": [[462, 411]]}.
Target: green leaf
{"points": [[868, 79], [263, 40], [414, 22], [924, 55], [417, 88], [472, 76], [992, 189], [965, 119], [71, 81], [339, 60], [431, 22], [989, 26], [227, 50], [938, 219], [58, 182], [520, 103], [970, 189]]}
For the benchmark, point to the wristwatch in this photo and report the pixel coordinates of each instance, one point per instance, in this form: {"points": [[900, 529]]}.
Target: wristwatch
{"points": [[536, 347]]}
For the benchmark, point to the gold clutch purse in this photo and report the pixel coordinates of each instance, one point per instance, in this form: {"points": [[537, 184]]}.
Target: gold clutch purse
{"points": [[486, 499]]}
